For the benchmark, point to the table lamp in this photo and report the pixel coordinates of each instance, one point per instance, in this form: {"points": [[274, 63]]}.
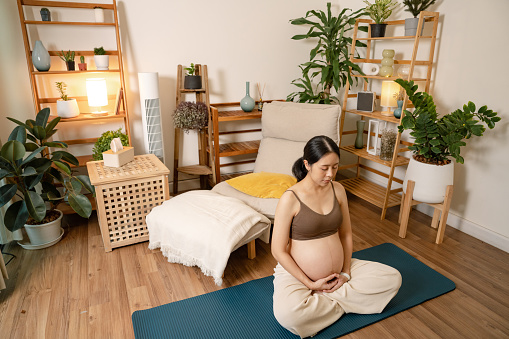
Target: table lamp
{"points": [[97, 94], [387, 98]]}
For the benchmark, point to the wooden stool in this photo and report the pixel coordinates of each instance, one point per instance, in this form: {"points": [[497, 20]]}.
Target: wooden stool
{"points": [[406, 206]]}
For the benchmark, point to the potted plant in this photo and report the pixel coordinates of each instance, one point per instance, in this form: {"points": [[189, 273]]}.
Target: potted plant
{"points": [[415, 7], [329, 60], [191, 80], [436, 140], [66, 107], [99, 14], [101, 60], [45, 14], [69, 59], [82, 65], [379, 11], [191, 115], [103, 143], [31, 171]]}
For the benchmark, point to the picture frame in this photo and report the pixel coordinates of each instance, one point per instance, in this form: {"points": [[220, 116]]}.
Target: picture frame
{"points": [[366, 101]]}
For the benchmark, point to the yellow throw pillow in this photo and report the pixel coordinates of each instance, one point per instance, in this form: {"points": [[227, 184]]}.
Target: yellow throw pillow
{"points": [[263, 184]]}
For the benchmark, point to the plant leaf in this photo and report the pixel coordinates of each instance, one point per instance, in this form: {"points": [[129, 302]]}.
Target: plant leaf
{"points": [[80, 204], [16, 216], [85, 181], [35, 205], [42, 117], [19, 133], [13, 150], [7, 192]]}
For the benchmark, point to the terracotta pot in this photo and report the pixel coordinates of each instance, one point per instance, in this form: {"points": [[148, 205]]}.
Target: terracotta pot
{"points": [[431, 181], [82, 67]]}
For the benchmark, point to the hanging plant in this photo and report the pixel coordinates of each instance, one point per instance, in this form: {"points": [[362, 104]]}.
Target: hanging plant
{"points": [[190, 115]]}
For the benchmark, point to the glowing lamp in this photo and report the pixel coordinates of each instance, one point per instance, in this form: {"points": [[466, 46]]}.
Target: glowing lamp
{"points": [[97, 94], [390, 90]]}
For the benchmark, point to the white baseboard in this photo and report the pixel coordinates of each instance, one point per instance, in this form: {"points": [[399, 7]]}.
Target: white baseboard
{"points": [[466, 226], [470, 228]]}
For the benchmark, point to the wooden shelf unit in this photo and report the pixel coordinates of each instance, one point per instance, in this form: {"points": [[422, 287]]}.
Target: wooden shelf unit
{"points": [[38, 100], [383, 196], [203, 168]]}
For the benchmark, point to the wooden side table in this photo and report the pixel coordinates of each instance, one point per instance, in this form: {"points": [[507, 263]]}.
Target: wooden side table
{"points": [[125, 195]]}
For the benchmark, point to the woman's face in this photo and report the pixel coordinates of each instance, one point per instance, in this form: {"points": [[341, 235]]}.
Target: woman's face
{"points": [[324, 170]]}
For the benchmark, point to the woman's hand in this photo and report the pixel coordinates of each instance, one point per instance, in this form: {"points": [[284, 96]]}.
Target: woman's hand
{"points": [[328, 284]]}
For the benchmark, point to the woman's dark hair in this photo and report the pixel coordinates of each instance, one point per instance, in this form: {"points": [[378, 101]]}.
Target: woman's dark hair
{"points": [[314, 150]]}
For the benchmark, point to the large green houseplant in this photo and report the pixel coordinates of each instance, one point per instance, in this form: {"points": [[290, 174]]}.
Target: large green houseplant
{"points": [[32, 172], [329, 60], [437, 139]]}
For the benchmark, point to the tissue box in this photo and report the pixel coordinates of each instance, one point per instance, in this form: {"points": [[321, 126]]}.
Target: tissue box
{"points": [[118, 159]]}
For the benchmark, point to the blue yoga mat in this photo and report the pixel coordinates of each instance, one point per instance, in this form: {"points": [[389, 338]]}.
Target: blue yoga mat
{"points": [[245, 311]]}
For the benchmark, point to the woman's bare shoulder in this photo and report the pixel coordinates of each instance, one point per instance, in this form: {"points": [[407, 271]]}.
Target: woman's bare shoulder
{"points": [[340, 191]]}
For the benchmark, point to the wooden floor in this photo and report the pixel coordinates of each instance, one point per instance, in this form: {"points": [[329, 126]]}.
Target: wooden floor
{"points": [[76, 290]]}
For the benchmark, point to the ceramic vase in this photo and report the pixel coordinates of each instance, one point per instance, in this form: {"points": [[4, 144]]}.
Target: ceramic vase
{"points": [[397, 111], [40, 57], [359, 140], [386, 70], [247, 103]]}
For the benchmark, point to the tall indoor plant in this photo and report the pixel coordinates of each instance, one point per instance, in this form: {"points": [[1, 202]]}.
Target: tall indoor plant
{"points": [[415, 7], [33, 173], [329, 60], [437, 139]]}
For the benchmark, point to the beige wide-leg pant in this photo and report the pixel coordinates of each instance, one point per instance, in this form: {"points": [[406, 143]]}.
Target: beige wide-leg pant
{"points": [[305, 312]]}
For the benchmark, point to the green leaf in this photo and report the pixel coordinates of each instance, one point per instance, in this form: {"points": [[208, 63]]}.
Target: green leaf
{"points": [[80, 204], [29, 171], [471, 106], [40, 164], [52, 125], [7, 192], [39, 132], [58, 144], [31, 181], [85, 181], [13, 150], [300, 37], [30, 146], [16, 216], [19, 133], [63, 166], [57, 155], [33, 155], [56, 174], [42, 117], [35, 205]]}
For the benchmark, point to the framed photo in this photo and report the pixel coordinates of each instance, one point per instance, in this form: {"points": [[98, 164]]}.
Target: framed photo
{"points": [[366, 101]]}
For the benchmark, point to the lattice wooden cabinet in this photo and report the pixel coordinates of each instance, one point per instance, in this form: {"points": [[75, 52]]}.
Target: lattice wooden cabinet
{"points": [[125, 195]]}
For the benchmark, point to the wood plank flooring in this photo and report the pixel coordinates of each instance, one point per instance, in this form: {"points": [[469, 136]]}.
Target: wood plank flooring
{"points": [[76, 290]]}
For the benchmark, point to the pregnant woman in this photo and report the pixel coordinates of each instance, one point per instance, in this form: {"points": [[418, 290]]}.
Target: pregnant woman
{"points": [[316, 280]]}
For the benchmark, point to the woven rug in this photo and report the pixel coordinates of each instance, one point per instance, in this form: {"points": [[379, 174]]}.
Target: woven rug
{"points": [[245, 311]]}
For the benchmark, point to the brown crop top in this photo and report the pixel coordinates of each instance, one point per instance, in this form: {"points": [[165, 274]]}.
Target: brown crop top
{"points": [[308, 224]]}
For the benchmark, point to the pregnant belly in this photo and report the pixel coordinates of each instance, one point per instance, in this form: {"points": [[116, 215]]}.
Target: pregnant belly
{"points": [[318, 258]]}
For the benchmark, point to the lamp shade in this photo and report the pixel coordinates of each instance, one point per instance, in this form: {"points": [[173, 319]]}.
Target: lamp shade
{"points": [[97, 93], [389, 89]]}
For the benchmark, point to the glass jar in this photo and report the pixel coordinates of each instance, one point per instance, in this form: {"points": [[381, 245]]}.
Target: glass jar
{"points": [[388, 141]]}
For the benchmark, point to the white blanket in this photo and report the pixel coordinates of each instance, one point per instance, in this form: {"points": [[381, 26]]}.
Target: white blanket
{"points": [[200, 228]]}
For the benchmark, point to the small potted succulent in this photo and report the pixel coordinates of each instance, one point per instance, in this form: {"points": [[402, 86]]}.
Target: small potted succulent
{"points": [[32, 170], [82, 65], [379, 11], [437, 138], [191, 115], [103, 143], [66, 107], [192, 81], [45, 14], [415, 7], [68, 57], [101, 60]]}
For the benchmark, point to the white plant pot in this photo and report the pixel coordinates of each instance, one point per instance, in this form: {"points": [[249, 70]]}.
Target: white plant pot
{"points": [[67, 109], [431, 181], [45, 233], [99, 14], [102, 62]]}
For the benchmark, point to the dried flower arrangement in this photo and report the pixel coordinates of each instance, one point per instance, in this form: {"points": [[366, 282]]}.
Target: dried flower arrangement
{"points": [[190, 115]]}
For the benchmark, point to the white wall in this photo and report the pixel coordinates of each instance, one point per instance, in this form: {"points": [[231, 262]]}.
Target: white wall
{"points": [[250, 41]]}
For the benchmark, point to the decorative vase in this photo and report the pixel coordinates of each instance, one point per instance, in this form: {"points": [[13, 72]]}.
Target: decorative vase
{"points": [[102, 62], [192, 82], [431, 181], [247, 103], [68, 108], [45, 233], [40, 57], [45, 14], [359, 140], [388, 141], [99, 14], [397, 111], [403, 71], [411, 26], [71, 65], [387, 61], [378, 30]]}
